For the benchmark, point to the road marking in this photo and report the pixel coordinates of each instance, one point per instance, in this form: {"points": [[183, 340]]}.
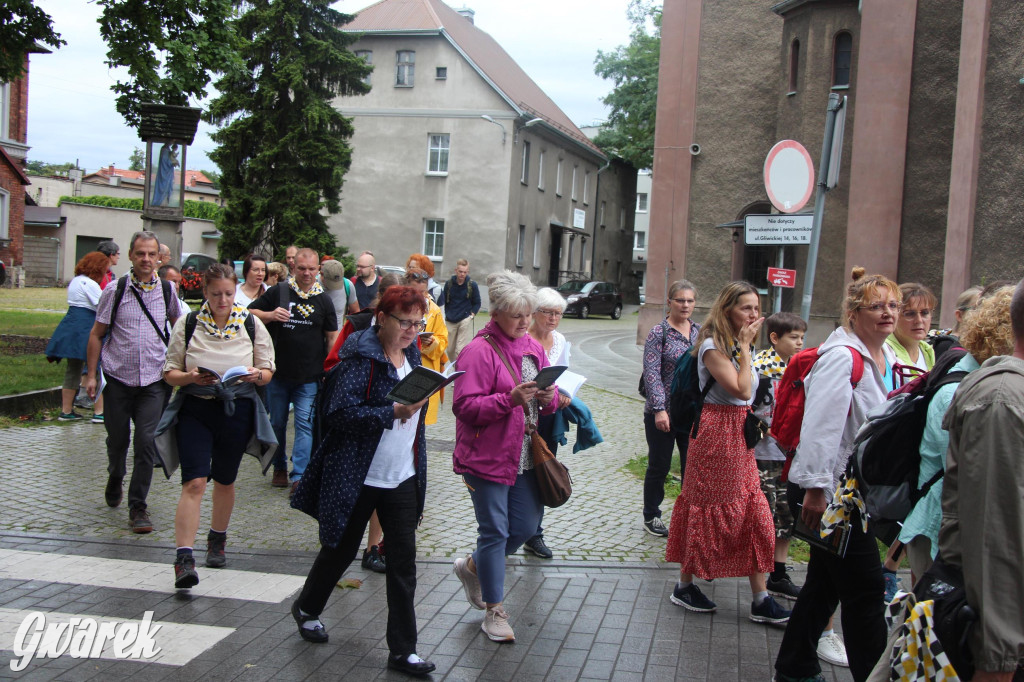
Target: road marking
{"points": [[179, 643], [221, 583]]}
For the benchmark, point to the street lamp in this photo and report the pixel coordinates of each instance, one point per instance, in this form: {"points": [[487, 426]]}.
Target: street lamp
{"points": [[501, 125]]}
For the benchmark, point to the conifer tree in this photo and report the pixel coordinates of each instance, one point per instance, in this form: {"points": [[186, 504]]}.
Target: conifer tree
{"points": [[283, 147]]}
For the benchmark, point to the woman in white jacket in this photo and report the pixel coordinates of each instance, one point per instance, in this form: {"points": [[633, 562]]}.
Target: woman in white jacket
{"points": [[835, 409]]}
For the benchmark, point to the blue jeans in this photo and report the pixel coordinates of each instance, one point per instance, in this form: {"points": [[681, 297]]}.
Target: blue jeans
{"points": [[506, 516], [279, 394]]}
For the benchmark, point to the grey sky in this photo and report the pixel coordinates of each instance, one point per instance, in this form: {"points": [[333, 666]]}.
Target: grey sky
{"points": [[71, 107]]}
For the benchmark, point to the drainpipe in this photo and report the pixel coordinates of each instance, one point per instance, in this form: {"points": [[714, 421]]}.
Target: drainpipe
{"points": [[597, 204]]}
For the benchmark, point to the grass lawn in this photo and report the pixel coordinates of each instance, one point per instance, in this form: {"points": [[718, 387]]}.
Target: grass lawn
{"points": [[23, 373], [29, 323], [54, 299]]}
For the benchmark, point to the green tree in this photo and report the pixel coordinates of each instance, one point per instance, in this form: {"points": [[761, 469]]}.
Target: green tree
{"points": [[169, 47], [44, 168], [137, 160], [633, 68], [283, 147], [214, 177], [22, 25]]}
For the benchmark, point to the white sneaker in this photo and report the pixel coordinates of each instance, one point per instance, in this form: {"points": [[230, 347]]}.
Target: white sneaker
{"points": [[496, 626], [470, 583], [831, 649]]}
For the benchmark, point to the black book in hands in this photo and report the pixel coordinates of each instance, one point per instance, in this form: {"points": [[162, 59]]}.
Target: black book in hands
{"points": [[422, 382], [547, 376], [834, 543]]}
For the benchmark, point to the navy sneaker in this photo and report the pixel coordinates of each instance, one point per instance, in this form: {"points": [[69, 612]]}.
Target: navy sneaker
{"points": [[693, 599], [768, 611], [783, 587]]}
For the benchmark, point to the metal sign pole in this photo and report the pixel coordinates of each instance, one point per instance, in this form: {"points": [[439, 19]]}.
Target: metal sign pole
{"points": [[834, 105], [780, 262]]}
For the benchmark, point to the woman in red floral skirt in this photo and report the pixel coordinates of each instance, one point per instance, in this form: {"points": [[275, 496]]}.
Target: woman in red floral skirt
{"points": [[721, 525]]}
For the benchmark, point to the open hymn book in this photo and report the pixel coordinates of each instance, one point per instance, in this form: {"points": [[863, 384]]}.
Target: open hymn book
{"points": [[230, 377], [422, 382]]}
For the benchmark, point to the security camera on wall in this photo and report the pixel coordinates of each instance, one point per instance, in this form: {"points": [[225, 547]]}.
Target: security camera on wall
{"points": [[695, 149]]}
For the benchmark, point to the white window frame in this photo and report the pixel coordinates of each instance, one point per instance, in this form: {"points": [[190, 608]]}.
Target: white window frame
{"points": [[521, 245], [639, 240], [405, 71], [600, 217], [540, 171], [536, 249], [558, 179], [442, 150], [572, 189], [524, 175], [430, 229], [367, 56], [5, 109], [641, 202], [5, 214], [586, 187], [622, 218]]}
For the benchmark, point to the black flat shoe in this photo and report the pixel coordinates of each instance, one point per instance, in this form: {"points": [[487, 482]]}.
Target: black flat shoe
{"points": [[317, 635], [402, 664]]}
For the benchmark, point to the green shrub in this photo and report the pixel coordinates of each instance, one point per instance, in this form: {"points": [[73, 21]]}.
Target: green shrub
{"points": [[201, 210]]}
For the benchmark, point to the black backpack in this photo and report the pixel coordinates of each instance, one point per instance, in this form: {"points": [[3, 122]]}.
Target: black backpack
{"points": [[886, 459], [122, 284], [686, 399]]}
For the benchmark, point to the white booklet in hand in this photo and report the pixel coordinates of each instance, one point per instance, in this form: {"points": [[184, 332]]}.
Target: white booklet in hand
{"points": [[569, 382], [230, 377]]}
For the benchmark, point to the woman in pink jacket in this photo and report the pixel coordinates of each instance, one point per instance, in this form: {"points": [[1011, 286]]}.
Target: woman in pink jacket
{"points": [[492, 446]]}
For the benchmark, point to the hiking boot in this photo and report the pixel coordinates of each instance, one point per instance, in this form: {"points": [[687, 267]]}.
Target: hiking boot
{"points": [[138, 520], [113, 493], [892, 585], [768, 611], [831, 649], [185, 575], [496, 626], [71, 416], [536, 545], [691, 598], [470, 583], [656, 527], [373, 561], [783, 587], [280, 479], [215, 542]]}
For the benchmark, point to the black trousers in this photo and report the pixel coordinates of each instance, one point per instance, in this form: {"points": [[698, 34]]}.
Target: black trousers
{"points": [[659, 460], [396, 509], [856, 582], [142, 406]]}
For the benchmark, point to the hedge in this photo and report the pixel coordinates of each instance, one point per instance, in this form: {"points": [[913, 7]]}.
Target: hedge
{"points": [[201, 210]]}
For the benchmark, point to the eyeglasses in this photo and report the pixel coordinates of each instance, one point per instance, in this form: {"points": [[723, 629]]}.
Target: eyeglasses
{"points": [[420, 325], [683, 301], [549, 313], [911, 314], [418, 276], [892, 306]]}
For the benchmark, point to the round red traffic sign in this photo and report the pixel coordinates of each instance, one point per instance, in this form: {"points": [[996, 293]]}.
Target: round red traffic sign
{"points": [[789, 176]]}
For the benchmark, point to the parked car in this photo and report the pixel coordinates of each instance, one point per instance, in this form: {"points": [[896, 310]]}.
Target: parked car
{"points": [[586, 298], [390, 269]]}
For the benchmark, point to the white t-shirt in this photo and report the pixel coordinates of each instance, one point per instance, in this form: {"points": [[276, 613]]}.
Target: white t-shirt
{"points": [[84, 293], [393, 462], [243, 300], [718, 395], [559, 353]]}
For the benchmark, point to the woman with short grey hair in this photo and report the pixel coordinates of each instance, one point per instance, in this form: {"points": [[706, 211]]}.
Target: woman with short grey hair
{"points": [[493, 401]]}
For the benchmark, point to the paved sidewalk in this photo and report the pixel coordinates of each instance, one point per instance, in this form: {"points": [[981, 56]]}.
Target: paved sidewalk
{"points": [[599, 610]]}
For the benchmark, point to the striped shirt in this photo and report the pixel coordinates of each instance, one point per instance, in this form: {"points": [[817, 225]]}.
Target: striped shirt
{"points": [[133, 352]]}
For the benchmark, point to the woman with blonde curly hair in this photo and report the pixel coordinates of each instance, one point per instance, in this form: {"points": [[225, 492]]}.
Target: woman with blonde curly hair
{"points": [[985, 332], [721, 524]]}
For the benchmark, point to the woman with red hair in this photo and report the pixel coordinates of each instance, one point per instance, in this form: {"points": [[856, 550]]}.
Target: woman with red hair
{"points": [[422, 262], [72, 334], [363, 465]]}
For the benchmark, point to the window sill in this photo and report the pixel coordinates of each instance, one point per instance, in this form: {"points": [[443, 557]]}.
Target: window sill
{"points": [[397, 85], [840, 87], [540, 189], [790, 94], [524, 183], [432, 174], [436, 259]]}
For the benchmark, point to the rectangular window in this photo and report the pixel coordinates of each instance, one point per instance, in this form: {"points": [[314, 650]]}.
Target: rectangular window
{"points": [[572, 188], [622, 218], [405, 69], [583, 254], [536, 248], [441, 73], [521, 245], [5, 210], [433, 238], [558, 179], [586, 187], [5, 105], [600, 218], [794, 65], [525, 177], [540, 171], [639, 240], [437, 153], [366, 56], [641, 202]]}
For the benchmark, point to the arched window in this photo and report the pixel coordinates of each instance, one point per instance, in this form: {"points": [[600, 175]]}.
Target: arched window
{"points": [[842, 59], [794, 64]]}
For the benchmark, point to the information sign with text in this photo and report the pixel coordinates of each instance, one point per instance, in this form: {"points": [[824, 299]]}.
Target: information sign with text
{"points": [[777, 228], [781, 277]]}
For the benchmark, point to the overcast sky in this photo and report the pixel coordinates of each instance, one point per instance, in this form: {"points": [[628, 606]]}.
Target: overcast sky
{"points": [[71, 106]]}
